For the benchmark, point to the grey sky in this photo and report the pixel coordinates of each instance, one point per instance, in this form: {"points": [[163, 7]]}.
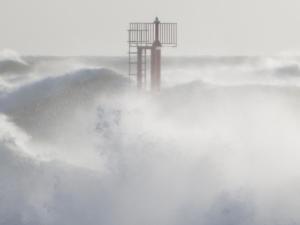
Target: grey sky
{"points": [[98, 27]]}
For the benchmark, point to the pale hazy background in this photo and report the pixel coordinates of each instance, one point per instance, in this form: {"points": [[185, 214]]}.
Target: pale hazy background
{"points": [[98, 27]]}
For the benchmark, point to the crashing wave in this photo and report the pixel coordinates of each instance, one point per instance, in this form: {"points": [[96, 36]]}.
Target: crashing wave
{"points": [[12, 63], [50, 99], [196, 153]]}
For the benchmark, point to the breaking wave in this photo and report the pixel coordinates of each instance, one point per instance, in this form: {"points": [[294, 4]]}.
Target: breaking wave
{"points": [[85, 147]]}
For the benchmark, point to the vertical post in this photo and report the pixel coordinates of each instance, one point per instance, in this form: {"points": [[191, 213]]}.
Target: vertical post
{"points": [[156, 22], [139, 68], [156, 59], [158, 68]]}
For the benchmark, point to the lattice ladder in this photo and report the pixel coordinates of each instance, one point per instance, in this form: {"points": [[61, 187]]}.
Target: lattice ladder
{"points": [[132, 62]]}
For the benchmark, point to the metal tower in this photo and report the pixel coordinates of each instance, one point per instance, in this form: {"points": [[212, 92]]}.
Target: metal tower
{"points": [[149, 36]]}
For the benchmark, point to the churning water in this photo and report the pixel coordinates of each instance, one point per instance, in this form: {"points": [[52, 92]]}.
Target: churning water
{"points": [[219, 145]]}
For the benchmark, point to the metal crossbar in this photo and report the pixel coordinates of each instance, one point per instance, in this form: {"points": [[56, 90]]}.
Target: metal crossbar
{"points": [[143, 34]]}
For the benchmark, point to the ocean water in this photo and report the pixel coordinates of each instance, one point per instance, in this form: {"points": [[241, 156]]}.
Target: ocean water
{"points": [[219, 145]]}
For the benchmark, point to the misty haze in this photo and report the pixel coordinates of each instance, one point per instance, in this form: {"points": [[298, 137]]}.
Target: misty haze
{"points": [[111, 116]]}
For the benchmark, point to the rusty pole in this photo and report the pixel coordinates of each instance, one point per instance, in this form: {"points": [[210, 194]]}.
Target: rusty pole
{"points": [[156, 59], [139, 67]]}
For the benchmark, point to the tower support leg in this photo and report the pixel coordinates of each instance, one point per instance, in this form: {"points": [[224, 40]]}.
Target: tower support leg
{"points": [[155, 67], [139, 68]]}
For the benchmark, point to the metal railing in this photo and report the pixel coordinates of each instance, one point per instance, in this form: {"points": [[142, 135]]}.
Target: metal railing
{"points": [[143, 34]]}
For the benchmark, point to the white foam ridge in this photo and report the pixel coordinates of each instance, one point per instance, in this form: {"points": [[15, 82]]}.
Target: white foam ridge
{"points": [[218, 145]]}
